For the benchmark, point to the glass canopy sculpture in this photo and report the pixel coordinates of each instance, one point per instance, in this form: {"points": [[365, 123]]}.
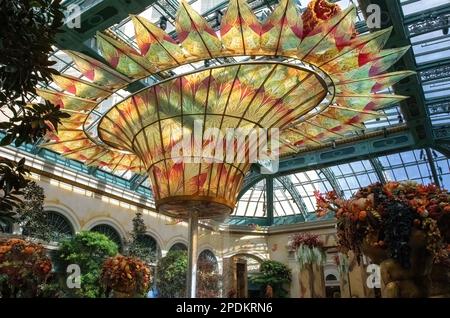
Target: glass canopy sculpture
{"points": [[311, 76]]}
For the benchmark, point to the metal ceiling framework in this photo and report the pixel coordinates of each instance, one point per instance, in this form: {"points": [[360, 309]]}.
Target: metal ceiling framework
{"points": [[420, 131]]}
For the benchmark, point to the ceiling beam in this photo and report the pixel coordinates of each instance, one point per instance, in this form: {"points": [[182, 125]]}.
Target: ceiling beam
{"points": [[369, 146], [413, 108], [287, 183], [432, 165], [269, 200], [331, 178], [378, 167]]}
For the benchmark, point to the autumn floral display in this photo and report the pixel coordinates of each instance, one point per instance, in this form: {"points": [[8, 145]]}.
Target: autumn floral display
{"points": [[385, 215], [127, 275], [317, 12], [308, 247], [24, 267]]}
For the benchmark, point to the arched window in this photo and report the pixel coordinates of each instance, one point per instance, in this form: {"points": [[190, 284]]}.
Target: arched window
{"points": [[331, 278], [151, 246], [57, 225], [178, 247], [109, 232], [207, 258], [208, 280]]}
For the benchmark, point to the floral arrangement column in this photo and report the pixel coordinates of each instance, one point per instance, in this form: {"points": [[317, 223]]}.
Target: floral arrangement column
{"points": [[311, 256], [401, 226]]}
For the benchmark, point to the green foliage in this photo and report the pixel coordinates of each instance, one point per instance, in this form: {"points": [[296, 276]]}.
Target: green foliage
{"points": [[26, 38], [12, 181], [27, 33], [139, 244], [171, 276], [32, 123], [88, 250], [31, 213], [275, 274]]}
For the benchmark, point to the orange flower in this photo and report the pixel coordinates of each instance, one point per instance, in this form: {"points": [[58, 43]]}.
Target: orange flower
{"points": [[28, 250], [317, 12], [362, 215]]}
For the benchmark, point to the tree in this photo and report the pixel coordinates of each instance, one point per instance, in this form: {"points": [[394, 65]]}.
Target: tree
{"points": [[27, 34], [12, 181], [171, 277], [139, 246], [31, 212], [88, 250], [172, 271], [273, 274], [208, 279]]}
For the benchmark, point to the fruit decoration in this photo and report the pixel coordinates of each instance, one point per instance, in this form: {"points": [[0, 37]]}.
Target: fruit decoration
{"points": [[385, 216]]}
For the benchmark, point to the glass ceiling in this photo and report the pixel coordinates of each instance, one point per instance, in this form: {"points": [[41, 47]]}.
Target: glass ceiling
{"points": [[294, 194]]}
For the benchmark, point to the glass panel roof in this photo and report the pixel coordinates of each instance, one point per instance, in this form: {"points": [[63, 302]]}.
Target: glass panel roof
{"points": [[430, 39], [348, 179]]}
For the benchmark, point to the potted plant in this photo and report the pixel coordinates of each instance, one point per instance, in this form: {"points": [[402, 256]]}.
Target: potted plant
{"points": [[309, 252], [398, 225], [125, 276]]}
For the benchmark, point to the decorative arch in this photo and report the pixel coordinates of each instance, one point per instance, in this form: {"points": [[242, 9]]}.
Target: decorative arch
{"points": [[179, 246], [252, 266], [58, 225], [110, 232], [215, 252], [66, 212], [331, 275], [150, 244], [249, 253], [208, 256], [155, 235], [175, 240], [109, 221]]}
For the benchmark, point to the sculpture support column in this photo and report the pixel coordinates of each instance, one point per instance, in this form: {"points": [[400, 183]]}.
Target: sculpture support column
{"points": [[192, 256]]}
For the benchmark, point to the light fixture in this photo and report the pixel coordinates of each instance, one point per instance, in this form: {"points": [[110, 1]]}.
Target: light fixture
{"points": [[324, 88]]}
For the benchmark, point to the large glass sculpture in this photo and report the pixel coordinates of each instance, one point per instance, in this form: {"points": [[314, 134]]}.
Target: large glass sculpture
{"points": [[309, 75]]}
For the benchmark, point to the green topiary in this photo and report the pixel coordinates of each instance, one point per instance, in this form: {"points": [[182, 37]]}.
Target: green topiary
{"points": [[88, 250], [275, 274]]}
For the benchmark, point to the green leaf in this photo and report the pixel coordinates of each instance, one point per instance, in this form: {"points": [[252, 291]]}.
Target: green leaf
{"points": [[6, 140]]}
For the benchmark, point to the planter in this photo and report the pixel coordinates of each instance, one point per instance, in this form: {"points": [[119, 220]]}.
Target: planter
{"points": [[119, 294], [400, 282]]}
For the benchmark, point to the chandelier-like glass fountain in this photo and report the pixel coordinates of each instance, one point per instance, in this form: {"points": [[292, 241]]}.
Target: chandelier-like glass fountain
{"points": [[309, 76]]}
